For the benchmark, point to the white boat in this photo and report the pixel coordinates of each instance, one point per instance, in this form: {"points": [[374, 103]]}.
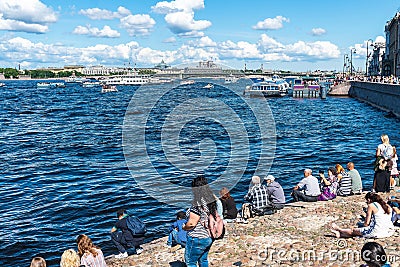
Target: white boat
{"points": [[127, 79], [231, 79], [262, 86], [2, 84], [57, 85], [91, 84], [209, 86], [109, 88], [74, 79], [50, 85], [187, 82]]}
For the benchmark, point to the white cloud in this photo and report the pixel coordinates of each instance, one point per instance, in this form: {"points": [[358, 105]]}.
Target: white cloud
{"points": [[104, 14], [240, 50], [170, 40], [152, 56], [178, 6], [183, 22], [139, 24], [179, 15], [14, 25], [271, 23], [26, 15], [268, 43], [312, 51], [318, 31], [96, 32]]}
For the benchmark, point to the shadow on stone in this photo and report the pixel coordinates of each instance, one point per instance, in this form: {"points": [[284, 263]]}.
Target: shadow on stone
{"points": [[177, 264]]}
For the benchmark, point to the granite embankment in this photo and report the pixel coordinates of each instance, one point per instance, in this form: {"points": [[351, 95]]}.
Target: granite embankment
{"points": [[382, 95], [298, 235]]}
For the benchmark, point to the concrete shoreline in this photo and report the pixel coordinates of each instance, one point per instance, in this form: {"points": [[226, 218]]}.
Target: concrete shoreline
{"points": [[298, 235]]}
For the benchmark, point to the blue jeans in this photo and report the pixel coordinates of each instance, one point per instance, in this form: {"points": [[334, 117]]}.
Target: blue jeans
{"points": [[196, 251], [173, 239]]}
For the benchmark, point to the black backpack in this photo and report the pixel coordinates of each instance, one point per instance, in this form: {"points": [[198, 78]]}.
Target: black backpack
{"points": [[136, 226]]}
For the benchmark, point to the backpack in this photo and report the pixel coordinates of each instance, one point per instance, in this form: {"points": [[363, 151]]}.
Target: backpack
{"points": [[247, 211], [215, 226], [136, 226], [387, 152]]}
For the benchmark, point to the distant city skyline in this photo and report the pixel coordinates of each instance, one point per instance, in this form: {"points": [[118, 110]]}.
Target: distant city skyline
{"points": [[285, 35]]}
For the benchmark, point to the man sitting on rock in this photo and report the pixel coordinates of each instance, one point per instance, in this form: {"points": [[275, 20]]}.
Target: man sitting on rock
{"points": [[308, 189], [257, 196], [275, 194]]}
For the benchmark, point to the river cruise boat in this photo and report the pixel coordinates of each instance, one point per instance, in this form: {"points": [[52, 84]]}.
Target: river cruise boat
{"points": [[50, 85], [230, 79], [267, 87], [127, 79]]}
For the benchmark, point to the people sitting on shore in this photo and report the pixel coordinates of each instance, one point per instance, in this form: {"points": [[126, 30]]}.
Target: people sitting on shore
{"points": [[177, 236], [91, 255], [374, 255], [228, 203], [38, 262], [356, 182], [275, 194], [70, 258], [308, 189], [377, 224], [329, 185], [256, 197], [344, 180], [123, 238]]}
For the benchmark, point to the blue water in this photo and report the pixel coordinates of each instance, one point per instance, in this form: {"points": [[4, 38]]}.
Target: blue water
{"points": [[63, 170]]}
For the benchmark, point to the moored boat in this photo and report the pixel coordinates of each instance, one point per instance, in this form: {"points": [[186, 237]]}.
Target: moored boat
{"points": [[266, 87]]}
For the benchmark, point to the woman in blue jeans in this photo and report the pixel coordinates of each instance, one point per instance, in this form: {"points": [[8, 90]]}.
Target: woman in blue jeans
{"points": [[198, 239]]}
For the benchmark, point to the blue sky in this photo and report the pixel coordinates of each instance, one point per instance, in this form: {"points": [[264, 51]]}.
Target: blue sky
{"points": [[287, 34]]}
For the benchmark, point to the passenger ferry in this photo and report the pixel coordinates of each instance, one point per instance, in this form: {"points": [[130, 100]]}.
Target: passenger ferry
{"points": [[127, 79], [266, 87]]}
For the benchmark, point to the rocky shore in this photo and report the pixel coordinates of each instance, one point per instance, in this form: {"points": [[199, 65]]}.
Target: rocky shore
{"points": [[298, 235]]}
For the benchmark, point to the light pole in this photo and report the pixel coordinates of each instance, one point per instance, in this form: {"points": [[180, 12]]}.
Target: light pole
{"points": [[367, 57], [353, 50], [345, 58]]}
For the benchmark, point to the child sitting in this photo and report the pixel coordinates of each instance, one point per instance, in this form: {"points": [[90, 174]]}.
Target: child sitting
{"points": [[176, 234]]}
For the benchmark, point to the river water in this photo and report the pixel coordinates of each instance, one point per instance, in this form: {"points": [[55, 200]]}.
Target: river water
{"points": [[63, 168]]}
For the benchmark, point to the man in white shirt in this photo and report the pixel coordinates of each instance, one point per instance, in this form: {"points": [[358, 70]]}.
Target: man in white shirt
{"points": [[308, 189]]}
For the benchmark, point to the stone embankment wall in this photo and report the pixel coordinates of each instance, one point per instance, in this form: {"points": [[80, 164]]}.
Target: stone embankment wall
{"points": [[383, 96]]}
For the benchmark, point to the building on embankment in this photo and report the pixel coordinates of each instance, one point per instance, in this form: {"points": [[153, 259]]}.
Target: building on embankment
{"points": [[391, 59]]}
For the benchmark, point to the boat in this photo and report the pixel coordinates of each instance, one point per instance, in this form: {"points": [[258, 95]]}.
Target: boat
{"points": [[187, 82], [266, 87], [50, 85], [2, 84], [231, 79], [57, 85], [74, 79], [208, 86], [109, 88], [91, 84], [306, 85], [127, 79]]}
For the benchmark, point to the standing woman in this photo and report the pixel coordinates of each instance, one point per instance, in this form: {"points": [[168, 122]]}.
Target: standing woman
{"points": [[198, 239], [384, 153], [91, 255]]}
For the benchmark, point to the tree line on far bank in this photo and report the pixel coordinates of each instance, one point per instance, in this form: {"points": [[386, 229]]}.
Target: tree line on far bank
{"points": [[37, 74]]}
